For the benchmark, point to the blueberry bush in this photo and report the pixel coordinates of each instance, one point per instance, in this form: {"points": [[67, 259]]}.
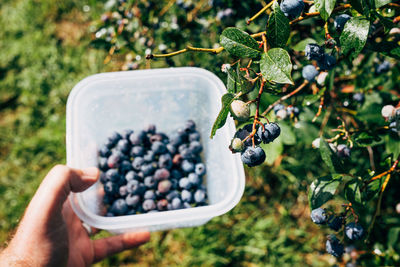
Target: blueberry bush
{"points": [[312, 85]]}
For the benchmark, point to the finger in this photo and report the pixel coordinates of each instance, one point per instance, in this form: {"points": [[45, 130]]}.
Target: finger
{"points": [[111, 245], [57, 185]]}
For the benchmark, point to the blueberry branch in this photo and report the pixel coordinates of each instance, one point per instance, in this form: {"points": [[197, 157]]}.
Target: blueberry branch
{"points": [[298, 89], [260, 12], [385, 173], [187, 49]]}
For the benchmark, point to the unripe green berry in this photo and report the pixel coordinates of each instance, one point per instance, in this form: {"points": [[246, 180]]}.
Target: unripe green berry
{"points": [[240, 110], [236, 145]]}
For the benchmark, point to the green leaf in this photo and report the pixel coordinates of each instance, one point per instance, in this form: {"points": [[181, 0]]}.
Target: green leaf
{"points": [[330, 158], [301, 46], [380, 3], [390, 49], [354, 36], [276, 67], [236, 82], [278, 28], [239, 43], [352, 191], [325, 7], [361, 6], [273, 150], [310, 99], [365, 139], [371, 190], [287, 134], [322, 190], [393, 145], [223, 114]]}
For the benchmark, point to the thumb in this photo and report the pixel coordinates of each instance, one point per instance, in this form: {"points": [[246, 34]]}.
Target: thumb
{"points": [[58, 183]]}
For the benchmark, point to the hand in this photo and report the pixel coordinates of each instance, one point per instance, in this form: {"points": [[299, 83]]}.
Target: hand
{"points": [[50, 234]]}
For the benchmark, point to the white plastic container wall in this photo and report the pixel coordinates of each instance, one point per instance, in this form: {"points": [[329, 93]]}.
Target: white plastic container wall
{"points": [[107, 102]]}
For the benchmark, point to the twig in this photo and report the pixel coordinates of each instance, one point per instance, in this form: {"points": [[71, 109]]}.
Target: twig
{"points": [[187, 49], [260, 12], [166, 7], [314, 14], [371, 157], [386, 172], [321, 105], [285, 97]]}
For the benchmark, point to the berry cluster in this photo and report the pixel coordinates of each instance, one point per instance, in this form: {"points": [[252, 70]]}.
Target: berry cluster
{"points": [[392, 114], [282, 112], [148, 171], [325, 61], [244, 138], [353, 230]]}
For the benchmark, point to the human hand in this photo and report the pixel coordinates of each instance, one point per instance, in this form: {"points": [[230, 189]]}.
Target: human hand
{"points": [[50, 234]]}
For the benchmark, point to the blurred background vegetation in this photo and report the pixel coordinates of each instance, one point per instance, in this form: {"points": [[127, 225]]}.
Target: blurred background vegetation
{"points": [[47, 46]]}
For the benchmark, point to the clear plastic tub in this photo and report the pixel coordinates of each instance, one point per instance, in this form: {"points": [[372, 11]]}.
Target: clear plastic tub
{"points": [[107, 102]]}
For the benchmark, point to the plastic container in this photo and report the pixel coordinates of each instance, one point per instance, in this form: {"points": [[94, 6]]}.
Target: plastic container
{"points": [[115, 101]]}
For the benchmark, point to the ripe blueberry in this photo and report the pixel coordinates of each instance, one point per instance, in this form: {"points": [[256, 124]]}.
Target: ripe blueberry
{"points": [[354, 231], [340, 21], [253, 156], [309, 73], [334, 247], [327, 62], [318, 216], [314, 52], [292, 8]]}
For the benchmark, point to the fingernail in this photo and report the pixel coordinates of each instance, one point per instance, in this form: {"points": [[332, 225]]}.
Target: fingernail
{"points": [[90, 173]]}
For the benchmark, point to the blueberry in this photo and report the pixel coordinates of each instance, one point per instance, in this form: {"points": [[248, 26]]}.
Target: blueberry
{"points": [[253, 156], [309, 73], [340, 21], [126, 133], [104, 151], [110, 188], [131, 175], [108, 199], [112, 175], [190, 126], [123, 191], [318, 216], [119, 207], [131, 212], [195, 147], [165, 161], [113, 160], [327, 62], [335, 223], [123, 145], [359, 97], [272, 131], [187, 166], [278, 107], [114, 138], [125, 166], [103, 165], [176, 139], [382, 68], [164, 186], [161, 174], [132, 199], [103, 178], [200, 196], [149, 194], [334, 247], [354, 231], [138, 163], [176, 203], [110, 214], [156, 137], [244, 132], [162, 204], [171, 195], [148, 205], [149, 182], [195, 136], [158, 147], [150, 128], [187, 154], [137, 138], [194, 179], [149, 157], [343, 151], [200, 169], [393, 126], [184, 183], [132, 185], [314, 52], [176, 174], [137, 151], [292, 8], [186, 196], [147, 169], [183, 147], [171, 149]]}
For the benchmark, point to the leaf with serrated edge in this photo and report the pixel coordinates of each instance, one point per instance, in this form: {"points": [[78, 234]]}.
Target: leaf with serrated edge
{"points": [[354, 36], [325, 7], [239, 43], [278, 28], [223, 114], [276, 67]]}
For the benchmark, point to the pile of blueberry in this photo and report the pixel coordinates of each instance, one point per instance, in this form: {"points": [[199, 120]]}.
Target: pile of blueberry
{"points": [[254, 155], [353, 230], [148, 171]]}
